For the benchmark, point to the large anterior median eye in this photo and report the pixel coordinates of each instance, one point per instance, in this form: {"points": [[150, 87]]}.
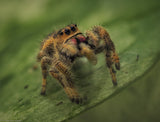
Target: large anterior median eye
{"points": [[67, 31], [73, 28]]}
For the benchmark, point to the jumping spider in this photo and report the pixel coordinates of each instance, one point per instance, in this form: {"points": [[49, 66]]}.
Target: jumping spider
{"points": [[61, 48]]}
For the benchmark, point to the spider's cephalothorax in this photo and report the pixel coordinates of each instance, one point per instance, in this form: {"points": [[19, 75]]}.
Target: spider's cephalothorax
{"points": [[61, 48]]}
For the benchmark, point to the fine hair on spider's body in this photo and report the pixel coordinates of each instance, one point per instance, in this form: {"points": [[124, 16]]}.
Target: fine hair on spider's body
{"points": [[59, 51]]}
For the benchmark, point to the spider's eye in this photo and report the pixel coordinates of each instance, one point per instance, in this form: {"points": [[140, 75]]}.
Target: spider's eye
{"points": [[73, 28], [75, 25], [67, 31], [61, 33]]}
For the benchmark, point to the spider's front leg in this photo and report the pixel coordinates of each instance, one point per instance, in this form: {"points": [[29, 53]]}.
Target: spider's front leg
{"points": [[99, 33], [61, 72], [104, 35]]}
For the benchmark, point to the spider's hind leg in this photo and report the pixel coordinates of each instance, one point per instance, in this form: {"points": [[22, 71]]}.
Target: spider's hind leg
{"points": [[44, 62], [99, 33]]}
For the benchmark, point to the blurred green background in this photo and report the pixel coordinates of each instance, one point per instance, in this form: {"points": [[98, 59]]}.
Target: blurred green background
{"points": [[24, 23]]}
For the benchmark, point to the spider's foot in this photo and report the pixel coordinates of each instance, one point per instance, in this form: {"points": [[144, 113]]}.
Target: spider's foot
{"points": [[43, 92], [114, 82], [113, 74], [117, 65], [73, 94], [76, 99]]}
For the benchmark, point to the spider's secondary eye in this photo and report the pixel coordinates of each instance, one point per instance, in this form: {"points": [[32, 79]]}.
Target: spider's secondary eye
{"points": [[61, 33], [75, 25], [73, 28], [67, 31]]}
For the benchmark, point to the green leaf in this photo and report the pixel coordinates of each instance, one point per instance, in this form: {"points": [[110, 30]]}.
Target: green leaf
{"points": [[133, 26]]}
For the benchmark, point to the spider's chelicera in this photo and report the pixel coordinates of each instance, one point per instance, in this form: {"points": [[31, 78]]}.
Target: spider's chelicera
{"points": [[61, 48]]}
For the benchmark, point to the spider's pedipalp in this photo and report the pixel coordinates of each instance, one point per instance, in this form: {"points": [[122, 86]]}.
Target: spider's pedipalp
{"points": [[88, 53], [69, 50]]}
